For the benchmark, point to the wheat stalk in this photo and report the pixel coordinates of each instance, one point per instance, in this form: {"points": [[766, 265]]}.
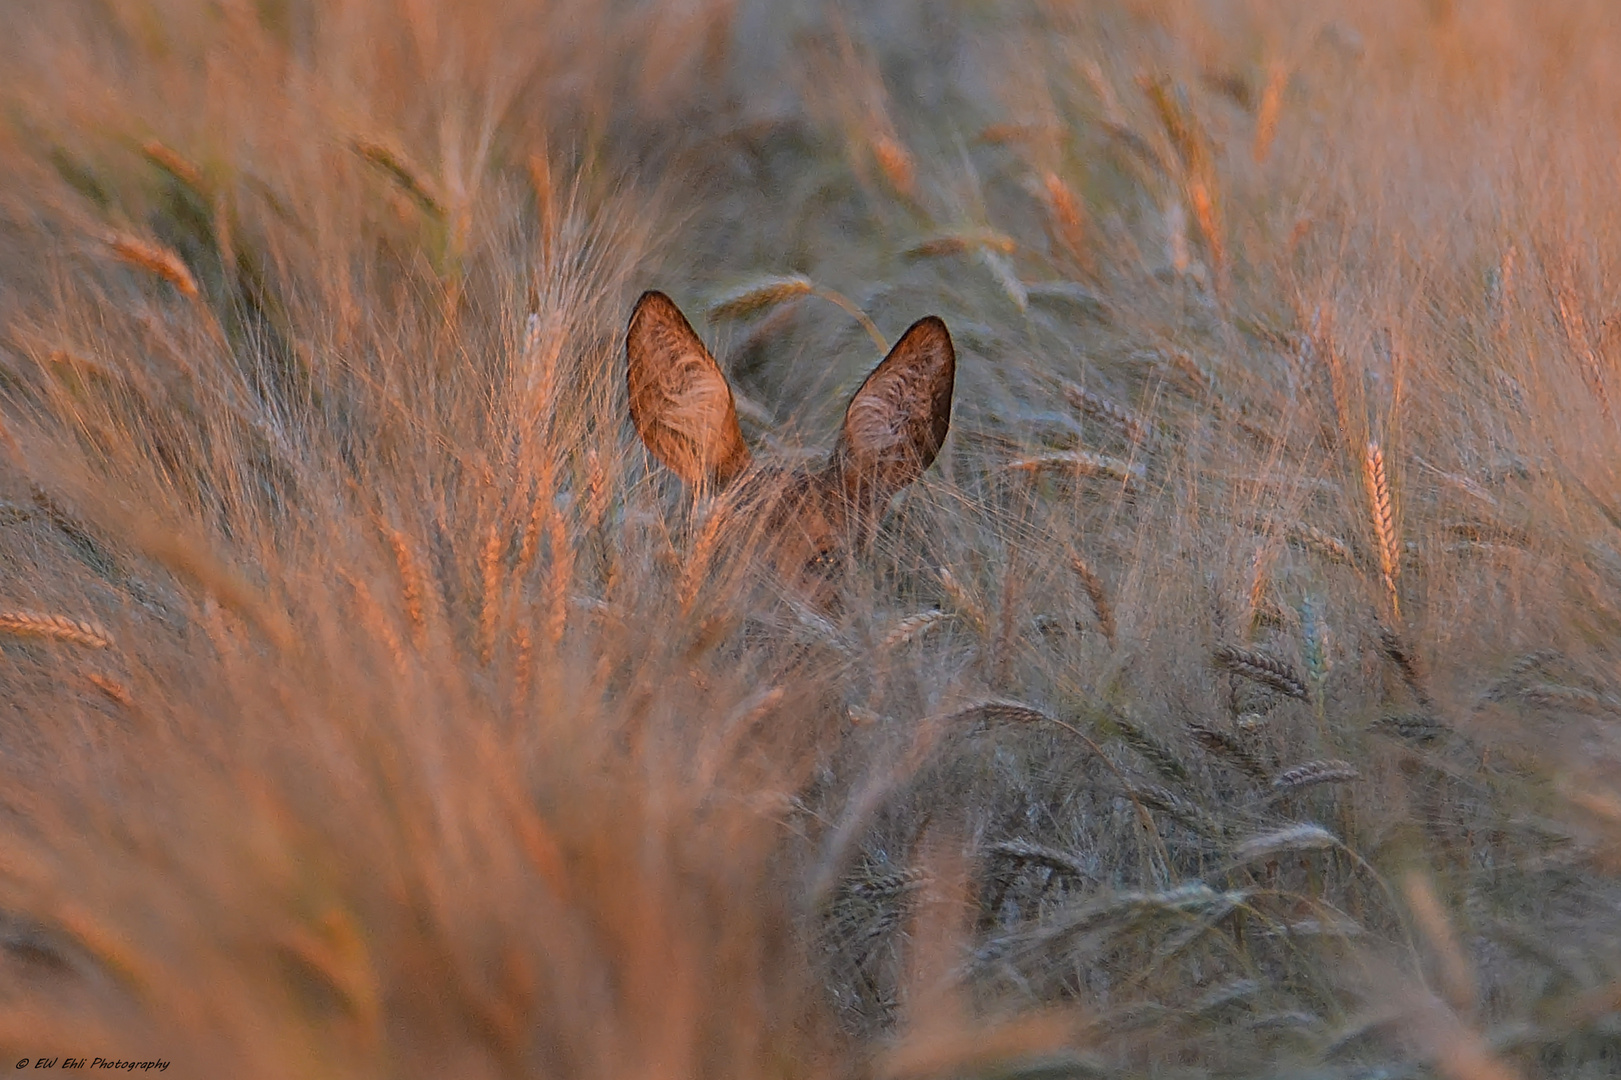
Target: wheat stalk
{"points": [[1083, 463], [1261, 668], [1304, 836], [28, 624], [1094, 591], [1579, 698], [1099, 407], [702, 557], [906, 629], [1575, 326], [1266, 115], [1397, 652], [1312, 773], [378, 621], [1066, 219], [1231, 749], [765, 293], [1314, 539], [411, 583], [1002, 270], [1412, 727], [1201, 380], [1011, 712], [1028, 851], [962, 241], [1169, 802], [523, 665], [489, 564], [758, 295], [1457, 979], [176, 166], [1150, 748], [896, 163], [114, 690], [1384, 521], [962, 599], [560, 580], [1192, 147], [154, 259], [400, 171]]}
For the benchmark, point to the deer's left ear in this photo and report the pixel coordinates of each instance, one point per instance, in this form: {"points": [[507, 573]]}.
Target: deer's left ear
{"points": [[896, 423], [680, 400]]}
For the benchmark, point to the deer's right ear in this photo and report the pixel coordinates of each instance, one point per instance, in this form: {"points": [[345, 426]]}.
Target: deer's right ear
{"points": [[680, 401], [897, 421]]}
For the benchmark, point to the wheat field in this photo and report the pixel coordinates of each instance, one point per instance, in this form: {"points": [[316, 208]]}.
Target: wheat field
{"points": [[1236, 694]]}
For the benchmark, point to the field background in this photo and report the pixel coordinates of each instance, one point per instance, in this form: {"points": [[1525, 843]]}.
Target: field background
{"points": [[1236, 695]]}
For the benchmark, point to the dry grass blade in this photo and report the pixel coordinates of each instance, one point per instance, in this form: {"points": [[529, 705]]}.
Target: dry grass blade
{"points": [[155, 259], [759, 295], [27, 624], [1262, 668]]}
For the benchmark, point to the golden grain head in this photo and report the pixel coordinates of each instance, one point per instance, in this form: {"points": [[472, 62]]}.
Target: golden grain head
{"points": [[759, 295], [961, 241], [27, 624], [154, 259], [1083, 463]]}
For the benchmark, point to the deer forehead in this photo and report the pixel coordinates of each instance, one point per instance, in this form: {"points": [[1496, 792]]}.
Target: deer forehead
{"points": [[793, 502]]}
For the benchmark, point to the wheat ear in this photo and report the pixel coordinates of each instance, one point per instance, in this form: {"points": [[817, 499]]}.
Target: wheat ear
{"points": [[411, 583], [54, 628], [1384, 521], [1094, 592], [762, 294], [154, 259]]}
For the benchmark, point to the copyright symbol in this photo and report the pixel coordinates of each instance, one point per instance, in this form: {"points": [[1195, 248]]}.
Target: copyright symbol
{"points": [[23, 1064]]}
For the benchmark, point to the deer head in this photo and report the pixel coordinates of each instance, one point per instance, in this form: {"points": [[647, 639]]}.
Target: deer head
{"points": [[807, 520]]}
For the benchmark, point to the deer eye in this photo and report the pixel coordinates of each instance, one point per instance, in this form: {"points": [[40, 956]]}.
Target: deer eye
{"points": [[823, 562]]}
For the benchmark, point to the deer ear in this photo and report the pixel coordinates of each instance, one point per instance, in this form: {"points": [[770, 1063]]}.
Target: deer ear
{"points": [[680, 401], [897, 421]]}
